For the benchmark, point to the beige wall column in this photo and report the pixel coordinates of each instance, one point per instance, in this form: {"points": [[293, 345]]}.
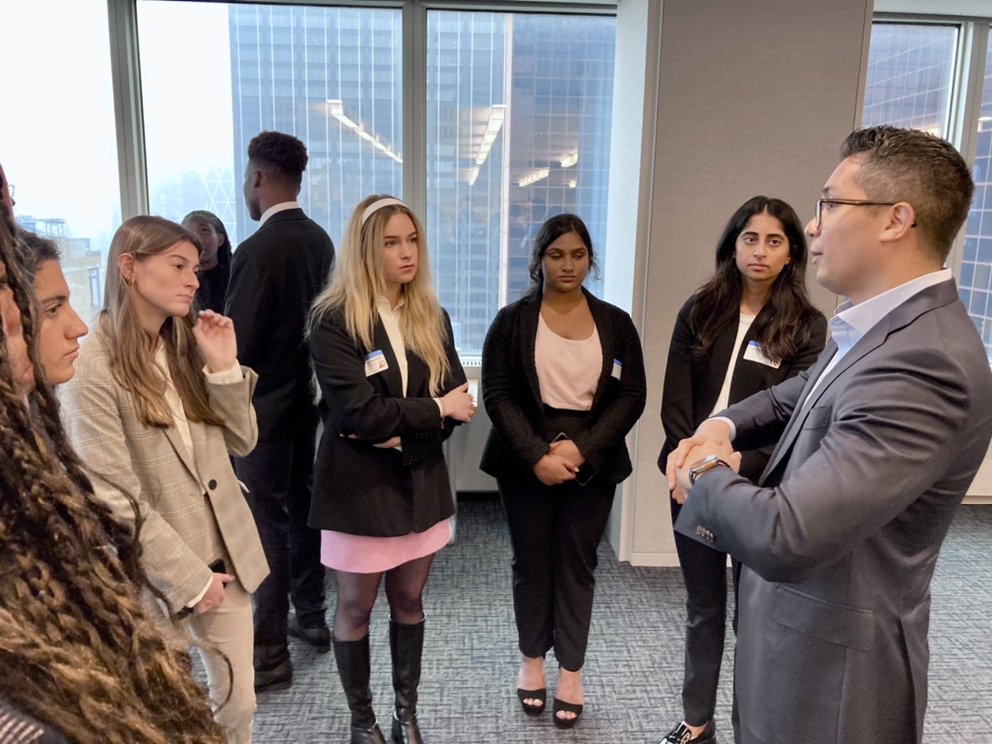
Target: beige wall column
{"points": [[745, 98]]}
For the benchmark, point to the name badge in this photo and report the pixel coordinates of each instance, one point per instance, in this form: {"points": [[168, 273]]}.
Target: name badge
{"points": [[754, 353], [375, 362], [617, 369]]}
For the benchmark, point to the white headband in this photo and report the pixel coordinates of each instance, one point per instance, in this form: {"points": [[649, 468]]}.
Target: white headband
{"points": [[377, 205]]}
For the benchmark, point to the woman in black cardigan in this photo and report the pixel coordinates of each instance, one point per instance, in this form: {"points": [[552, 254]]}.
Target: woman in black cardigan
{"points": [[563, 382], [754, 312], [393, 390]]}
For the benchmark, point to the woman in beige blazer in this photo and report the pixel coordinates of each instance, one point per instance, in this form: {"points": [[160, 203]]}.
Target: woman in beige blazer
{"points": [[157, 405]]}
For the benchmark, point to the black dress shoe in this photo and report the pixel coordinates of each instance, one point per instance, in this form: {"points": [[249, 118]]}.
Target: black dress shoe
{"points": [[277, 678], [318, 637], [682, 735]]}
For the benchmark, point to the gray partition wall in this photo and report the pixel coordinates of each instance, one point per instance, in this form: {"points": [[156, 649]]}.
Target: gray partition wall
{"points": [[740, 99]]}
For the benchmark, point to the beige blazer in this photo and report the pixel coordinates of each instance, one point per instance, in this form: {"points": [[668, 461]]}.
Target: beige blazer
{"points": [[193, 507]]}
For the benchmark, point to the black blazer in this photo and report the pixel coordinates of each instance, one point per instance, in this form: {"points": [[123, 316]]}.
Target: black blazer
{"points": [[275, 275], [693, 383], [512, 394], [365, 490]]}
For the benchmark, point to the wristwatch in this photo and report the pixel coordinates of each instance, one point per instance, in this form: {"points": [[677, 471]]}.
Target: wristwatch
{"points": [[701, 466]]}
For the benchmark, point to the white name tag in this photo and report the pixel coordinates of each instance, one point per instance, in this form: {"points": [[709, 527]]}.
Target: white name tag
{"points": [[617, 369], [754, 353], [375, 363]]}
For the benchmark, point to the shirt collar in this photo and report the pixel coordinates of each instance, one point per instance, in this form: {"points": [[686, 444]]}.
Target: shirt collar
{"points": [[275, 209], [851, 322], [382, 303]]}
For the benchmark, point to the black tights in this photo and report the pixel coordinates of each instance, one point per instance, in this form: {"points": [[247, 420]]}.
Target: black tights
{"points": [[357, 594]]}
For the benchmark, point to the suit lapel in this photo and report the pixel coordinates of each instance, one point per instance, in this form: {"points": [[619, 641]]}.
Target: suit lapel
{"points": [[601, 317], [172, 434], [530, 313], [390, 377], [901, 316]]}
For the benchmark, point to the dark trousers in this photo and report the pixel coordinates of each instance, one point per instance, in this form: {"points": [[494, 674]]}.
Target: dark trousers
{"points": [[704, 571], [279, 476], [555, 532]]}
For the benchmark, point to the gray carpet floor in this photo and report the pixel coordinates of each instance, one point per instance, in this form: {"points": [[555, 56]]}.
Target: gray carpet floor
{"points": [[633, 671]]}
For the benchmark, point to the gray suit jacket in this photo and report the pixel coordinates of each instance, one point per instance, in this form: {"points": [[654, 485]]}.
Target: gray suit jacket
{"points": [[193, 507], [840, 538]]}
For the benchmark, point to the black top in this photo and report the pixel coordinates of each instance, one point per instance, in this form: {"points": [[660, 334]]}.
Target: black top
{"points": [[276, 274], [512, 394], [693, 382], [366, 490], [213, 288]]}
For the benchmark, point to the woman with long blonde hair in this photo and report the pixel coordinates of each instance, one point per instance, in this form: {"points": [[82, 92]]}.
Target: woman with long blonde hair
{"points": [[393, 390], [157, 405], [79, 656]]}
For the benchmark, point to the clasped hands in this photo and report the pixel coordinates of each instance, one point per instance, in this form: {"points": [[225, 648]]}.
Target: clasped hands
{"points": [[560, 464], [711, 438]]}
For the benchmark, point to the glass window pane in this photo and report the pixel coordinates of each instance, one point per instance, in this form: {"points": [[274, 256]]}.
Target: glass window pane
{"points": [[214, 75], [518, 129], [58, 141], [976, 262], [909, 76]]}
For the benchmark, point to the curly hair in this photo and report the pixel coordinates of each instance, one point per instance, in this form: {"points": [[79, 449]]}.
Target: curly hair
{"points": [[77, 649], [282, 154]]}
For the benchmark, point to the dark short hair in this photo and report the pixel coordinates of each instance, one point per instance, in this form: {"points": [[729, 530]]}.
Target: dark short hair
{"points": [[281, 155], [919, 168], [549, 232], [34, 250]]}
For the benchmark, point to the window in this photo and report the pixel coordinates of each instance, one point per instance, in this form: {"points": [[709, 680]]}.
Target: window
{"points": [[976, 261], [518, 130], [910, 84], [58, 135], [214, 75]]}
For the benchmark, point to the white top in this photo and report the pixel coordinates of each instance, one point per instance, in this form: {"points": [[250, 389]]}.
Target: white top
{"points": [[391, 322], [723, 399], [567, 370], [275, 209]]}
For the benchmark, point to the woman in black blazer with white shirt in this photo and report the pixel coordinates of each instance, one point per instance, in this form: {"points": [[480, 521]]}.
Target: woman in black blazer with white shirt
{"points": [[748, 328], [563, 383], [393, 390]]}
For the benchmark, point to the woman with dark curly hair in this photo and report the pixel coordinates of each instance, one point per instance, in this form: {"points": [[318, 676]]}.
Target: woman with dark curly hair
{"points": [[748, 328], [78, 654]]}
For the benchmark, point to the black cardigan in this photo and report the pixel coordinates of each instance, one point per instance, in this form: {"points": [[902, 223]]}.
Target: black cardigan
{"points": [[365, 490], [512, 394], [693, 382]]}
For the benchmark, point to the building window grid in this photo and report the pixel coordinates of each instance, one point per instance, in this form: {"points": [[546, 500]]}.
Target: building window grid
{"points": [[909, 84]]}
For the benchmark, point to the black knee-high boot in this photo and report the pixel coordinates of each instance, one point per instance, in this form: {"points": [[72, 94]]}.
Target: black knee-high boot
{"points": [[354, 669], [406, 643]]}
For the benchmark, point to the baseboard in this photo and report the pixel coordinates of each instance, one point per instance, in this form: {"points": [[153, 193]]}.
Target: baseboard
{"points": [[660, 560]]}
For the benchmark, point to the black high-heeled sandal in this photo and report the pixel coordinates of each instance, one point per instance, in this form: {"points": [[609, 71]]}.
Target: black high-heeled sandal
{"points": [[562, 706], [529, 708]]}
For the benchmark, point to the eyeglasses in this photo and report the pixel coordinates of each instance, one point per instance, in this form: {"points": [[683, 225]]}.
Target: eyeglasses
{"points": [[850, 203]]}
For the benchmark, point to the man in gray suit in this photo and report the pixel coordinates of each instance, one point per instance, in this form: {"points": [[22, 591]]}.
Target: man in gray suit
{"points": [[877, 445]]}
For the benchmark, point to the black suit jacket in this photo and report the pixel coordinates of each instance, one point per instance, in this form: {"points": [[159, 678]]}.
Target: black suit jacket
{"points": [[693, 382], [366, 490], [512, 394], [276, 273]]}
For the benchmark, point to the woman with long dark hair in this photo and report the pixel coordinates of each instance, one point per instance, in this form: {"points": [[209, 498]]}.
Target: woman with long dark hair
{"points": [[563, 383], [215, 258], [157, 406], [393, 390], [78, 653], [749, 327]]}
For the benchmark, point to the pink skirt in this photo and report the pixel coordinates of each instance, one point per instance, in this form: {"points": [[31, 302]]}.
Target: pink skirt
{"points": [[364, 554]]}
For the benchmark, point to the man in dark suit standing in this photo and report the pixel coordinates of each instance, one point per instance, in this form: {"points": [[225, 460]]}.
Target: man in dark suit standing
{"points": [[877, 445], [274, 277]]}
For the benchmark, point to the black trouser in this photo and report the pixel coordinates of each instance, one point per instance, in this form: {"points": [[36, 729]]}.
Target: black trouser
{"points": [[704, 571], [555, 532], [279, 476]]}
